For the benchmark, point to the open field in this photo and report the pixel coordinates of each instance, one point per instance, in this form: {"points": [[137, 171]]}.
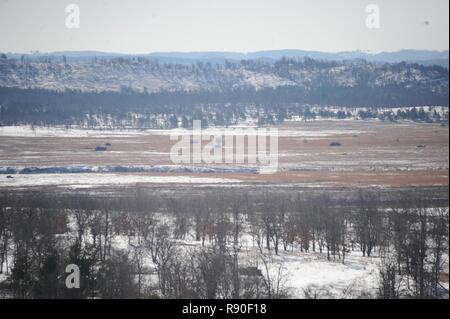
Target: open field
{"points": [[372, 153]]}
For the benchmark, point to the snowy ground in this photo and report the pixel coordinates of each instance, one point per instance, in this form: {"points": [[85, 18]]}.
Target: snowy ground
{"points": [[59, 131], [301, 271], [312, 271], [97, 179], [415, 152]]}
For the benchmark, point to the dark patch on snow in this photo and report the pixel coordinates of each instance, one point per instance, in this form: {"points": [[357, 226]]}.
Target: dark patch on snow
{"points": [[335, 144]]}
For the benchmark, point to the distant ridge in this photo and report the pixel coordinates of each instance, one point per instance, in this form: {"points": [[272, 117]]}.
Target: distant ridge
{"points": [[425, 57]]}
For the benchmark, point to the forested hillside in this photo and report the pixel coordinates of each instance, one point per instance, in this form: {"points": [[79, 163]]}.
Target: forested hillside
{"points": [[140, 92]]}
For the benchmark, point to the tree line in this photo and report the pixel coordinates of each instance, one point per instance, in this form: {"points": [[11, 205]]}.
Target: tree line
{"points": [[151, 246], [133, 109]]}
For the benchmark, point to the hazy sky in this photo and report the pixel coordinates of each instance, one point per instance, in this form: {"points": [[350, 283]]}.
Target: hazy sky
{"points": [[140, 26]]}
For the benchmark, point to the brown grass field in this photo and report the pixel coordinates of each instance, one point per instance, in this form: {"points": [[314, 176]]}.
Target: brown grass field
{"points": [[371, 153]]}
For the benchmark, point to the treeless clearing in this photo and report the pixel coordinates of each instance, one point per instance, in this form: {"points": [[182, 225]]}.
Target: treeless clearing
{"points": [[396, 179], [371, 153]]}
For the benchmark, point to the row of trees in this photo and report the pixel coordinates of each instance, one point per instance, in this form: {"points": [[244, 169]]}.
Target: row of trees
{"points": [[179, 109], [218, 245]]}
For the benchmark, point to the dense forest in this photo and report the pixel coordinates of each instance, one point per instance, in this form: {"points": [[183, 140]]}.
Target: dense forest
{"points": [[129, 108]]}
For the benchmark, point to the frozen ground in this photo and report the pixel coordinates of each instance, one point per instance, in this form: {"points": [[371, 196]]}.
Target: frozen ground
{"points": [[370, 153], [301, 271], [312, 271], [59, 131], [87, 180]]}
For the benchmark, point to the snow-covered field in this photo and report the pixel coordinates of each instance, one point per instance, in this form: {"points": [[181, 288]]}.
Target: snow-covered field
{"points": [[58, 131], [419, 150], [312, 271], [101, 179]]}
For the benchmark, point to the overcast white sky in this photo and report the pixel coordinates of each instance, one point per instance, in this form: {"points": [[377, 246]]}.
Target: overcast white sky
{"points": [[142, 26]]}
